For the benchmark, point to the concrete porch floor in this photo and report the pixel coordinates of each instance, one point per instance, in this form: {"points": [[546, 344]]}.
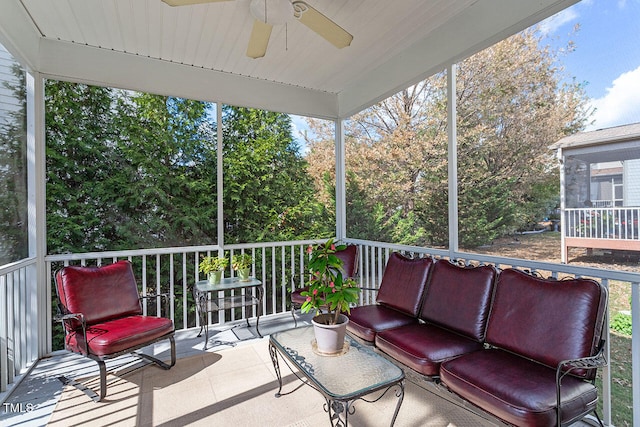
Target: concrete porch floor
{"points": [[35, 398]]}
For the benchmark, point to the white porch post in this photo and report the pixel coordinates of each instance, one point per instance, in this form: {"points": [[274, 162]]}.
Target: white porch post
{"points": [[452, 160], [635, 348], [563, 221], [40, 307], [219, 175], [341, 202]]}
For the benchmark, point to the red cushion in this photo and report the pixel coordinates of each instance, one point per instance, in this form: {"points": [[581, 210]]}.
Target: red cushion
{"points": [[118, 335], [424, 347], [367, 320], [546, 320], [296, 298], [99, 293], [459, 298], [349, 257], [403, 283], [515, 389]]}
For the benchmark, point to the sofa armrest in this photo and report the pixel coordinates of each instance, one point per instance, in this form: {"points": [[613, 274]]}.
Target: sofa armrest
{"points": [[565, 367]]}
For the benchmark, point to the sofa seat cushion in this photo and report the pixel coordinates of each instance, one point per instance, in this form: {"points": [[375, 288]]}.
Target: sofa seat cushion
{"points": [[119, 335], [423, 347], [515, 389], [367, 320]]}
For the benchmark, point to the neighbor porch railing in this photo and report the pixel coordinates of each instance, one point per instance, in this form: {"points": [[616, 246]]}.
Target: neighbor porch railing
{"points": [[280, 265], [615, 223]]}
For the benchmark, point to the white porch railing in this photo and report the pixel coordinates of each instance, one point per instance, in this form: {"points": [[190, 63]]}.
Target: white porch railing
{"points": [[279, 265], [18, 321], [615, 223]]}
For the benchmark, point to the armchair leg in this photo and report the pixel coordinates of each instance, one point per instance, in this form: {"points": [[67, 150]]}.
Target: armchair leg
{"points": [[159, 362], [293, 314], [103, 379], [103, 373]]}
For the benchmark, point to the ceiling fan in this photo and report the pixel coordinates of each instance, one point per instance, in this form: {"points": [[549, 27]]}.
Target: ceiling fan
{"points": [[268, 13]]}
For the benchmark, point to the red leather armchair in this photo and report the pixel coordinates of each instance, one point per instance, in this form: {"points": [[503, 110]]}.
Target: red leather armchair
{"points": [[102, 317]]}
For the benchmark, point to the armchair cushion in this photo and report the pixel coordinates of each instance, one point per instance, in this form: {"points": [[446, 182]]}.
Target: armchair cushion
{"points": [[99, 293], [119, 335]]}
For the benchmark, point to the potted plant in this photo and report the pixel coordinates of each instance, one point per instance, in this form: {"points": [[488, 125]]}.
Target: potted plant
{"points": [[213, 267], [330, 295], [242, 264]]}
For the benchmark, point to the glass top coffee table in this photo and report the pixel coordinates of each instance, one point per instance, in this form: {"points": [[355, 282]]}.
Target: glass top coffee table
{"points": [[356, 374]]}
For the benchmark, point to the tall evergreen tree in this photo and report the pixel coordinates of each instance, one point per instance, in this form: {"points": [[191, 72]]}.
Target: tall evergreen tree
{"points": [[268, 194], [13, 175]]}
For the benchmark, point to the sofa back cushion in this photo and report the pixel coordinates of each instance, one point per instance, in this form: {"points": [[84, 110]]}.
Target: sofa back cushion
{"points": [[544, 319], [458, 298], [403, 283], [99, 293]]}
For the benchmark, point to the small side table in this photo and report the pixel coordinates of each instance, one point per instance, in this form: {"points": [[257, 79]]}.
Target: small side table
{"points": [[252, 296]]}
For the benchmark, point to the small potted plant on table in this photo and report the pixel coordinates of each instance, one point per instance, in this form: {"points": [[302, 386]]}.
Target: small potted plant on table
{"points": [[242, 264], [330, 294], [213, 267]]}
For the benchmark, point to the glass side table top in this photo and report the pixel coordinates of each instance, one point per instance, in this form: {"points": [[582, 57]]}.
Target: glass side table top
{"points": [[355, 373], [227, 283]]}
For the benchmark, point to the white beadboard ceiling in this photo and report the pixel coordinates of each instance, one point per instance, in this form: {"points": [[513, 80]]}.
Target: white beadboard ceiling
{"points": [[198, 51]]}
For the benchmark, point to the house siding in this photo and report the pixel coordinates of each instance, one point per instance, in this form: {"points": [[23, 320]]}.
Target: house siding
{"points": [[631, 180]]}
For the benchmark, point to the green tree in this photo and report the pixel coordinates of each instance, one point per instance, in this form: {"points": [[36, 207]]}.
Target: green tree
{"points": [[13, 176], [511, 106], [268, 194], [167, 160], [80, 138]]}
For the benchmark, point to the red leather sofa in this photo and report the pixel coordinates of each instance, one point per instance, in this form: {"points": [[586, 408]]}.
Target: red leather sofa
{"points": [[519, 347]]}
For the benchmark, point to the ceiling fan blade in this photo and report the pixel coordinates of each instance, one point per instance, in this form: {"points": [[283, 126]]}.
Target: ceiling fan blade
{"points": [[319, 23], [259, 39], [189, 2]]}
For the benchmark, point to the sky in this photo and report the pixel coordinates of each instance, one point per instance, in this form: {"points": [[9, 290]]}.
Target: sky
{"points": [[606, 58]]}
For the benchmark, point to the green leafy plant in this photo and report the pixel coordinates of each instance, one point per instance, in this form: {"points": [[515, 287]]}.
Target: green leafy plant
{"points": [[210, 264], [621, 323], [328, 290], [241, 261]]}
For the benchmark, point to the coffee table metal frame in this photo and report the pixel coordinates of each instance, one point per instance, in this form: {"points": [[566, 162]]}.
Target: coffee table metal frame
{"points": [[362, 373], [215, 303]]}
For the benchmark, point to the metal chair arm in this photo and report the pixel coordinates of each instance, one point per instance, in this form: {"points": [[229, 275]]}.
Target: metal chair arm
{"points": [[565, 367], [165, 295]]}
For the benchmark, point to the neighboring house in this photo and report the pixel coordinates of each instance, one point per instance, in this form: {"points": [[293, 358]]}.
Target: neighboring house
{"points": [[600, 189]]}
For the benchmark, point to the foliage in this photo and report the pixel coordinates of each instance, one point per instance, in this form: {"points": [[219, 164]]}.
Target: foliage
{"points": [[621, 322], [13, 175], [268, 193], [241, 261], [328, 289], [511, 105], [210, 264]]}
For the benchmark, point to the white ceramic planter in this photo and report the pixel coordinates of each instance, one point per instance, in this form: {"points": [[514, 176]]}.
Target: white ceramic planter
{"points": [[329, 338]]}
